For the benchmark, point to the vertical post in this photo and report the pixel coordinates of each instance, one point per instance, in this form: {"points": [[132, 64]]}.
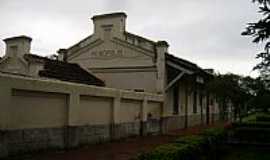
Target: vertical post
{"points": [[163, 120], [114, 119], [161, 49], [207, 109], [71, 138], [186, 106], [143, 128], [5, 96]]}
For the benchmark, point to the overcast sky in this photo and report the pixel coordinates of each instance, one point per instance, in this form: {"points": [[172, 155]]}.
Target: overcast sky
{"points": [[206, 32]]}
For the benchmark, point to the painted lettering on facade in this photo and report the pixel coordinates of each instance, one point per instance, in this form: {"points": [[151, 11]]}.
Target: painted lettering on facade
{"points": [[111, 54], [106, 54]]}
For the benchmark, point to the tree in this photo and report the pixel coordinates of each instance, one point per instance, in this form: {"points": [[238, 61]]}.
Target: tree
{"points": [[261, 95], [229, 88], [260, 31]]}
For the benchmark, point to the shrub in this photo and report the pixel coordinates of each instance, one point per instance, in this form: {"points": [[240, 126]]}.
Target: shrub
{"points": [[257, 135], [263, 118], [214, 134], [198, 143], [251, 125], [172, 151], [186, 148]]}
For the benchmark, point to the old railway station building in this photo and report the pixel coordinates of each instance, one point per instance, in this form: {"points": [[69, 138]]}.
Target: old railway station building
{"points": [[110, 85], [127, 61]]}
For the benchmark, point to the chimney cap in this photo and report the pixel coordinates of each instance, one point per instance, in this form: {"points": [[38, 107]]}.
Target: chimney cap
{"points": [[17, 38], [62, 51], [162, 44], [115, 14]]}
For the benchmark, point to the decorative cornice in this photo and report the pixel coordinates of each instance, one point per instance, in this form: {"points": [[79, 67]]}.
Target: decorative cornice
{"points": [[116, 14], [17, 38], [124, 69]]}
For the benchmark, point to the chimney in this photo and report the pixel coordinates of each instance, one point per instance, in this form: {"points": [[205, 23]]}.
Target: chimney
{"points": [[108, 25], [161, 50], [62, 55], [18, 46], [209, 70]]}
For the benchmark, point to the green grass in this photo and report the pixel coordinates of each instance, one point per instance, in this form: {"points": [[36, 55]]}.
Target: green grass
{"points": [[252, 117], [243, 153]]}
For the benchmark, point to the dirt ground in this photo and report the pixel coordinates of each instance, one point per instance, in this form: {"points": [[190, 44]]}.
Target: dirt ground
{"points": [[120, 150]]}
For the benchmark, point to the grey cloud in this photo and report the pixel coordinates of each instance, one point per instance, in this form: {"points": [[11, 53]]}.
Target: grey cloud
{"points": [[206, 32]]}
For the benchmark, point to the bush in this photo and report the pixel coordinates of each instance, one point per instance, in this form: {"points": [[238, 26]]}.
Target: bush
{"points": [[172, 151], [251, 125], [186, 148], [214, 135], [198, 143], [263, 118], [252, 132], [256, 135]]}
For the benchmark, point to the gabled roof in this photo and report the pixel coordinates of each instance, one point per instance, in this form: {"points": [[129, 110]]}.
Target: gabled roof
{"points": [[182, 62], [187, 64], [80, 42], [64, 71]]}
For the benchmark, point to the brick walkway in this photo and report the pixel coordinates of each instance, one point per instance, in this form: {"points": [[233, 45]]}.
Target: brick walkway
{"points": [[120, 150]]}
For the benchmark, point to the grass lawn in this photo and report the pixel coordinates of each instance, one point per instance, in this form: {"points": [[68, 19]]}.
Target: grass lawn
{"points": [[246, 153]]}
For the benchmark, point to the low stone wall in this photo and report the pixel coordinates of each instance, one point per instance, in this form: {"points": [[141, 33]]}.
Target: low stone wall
{"points": [[30, 140], [94, 134], [173, 123], [195, 119]]}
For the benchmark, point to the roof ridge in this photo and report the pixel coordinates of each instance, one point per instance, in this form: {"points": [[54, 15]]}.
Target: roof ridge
{"points": [[140, 37], [76, 44]]}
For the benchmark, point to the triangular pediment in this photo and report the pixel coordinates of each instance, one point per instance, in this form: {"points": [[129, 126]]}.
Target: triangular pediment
{"points": [[112, 53]]}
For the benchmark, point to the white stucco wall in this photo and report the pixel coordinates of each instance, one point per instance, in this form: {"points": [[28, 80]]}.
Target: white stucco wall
{"points": [[35, 103]]}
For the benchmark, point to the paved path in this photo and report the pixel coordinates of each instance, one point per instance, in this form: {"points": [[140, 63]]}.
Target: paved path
{"points": [[120, 150]]}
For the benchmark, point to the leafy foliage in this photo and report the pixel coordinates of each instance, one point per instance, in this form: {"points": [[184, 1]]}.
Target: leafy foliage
{"points": [[189, 147], [260, 31], [230, 88], [244, 93]]}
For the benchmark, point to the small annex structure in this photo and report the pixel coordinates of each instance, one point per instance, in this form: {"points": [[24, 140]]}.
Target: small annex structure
{"points": [[19, 60]]}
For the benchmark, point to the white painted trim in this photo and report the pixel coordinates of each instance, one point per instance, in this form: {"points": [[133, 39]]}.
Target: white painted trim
{"points": [[179, 68], [174, 80]]}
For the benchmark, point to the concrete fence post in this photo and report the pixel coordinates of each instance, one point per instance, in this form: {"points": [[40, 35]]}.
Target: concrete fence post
{"points": [[5, 96], [163, 120], [143, 128], [115, 119], [71, 131]]}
